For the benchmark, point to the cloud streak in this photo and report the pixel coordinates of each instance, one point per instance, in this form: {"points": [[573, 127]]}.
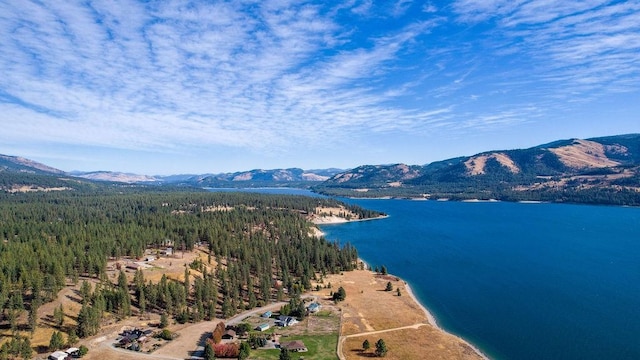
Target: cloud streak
{"points": [[166, 76]]}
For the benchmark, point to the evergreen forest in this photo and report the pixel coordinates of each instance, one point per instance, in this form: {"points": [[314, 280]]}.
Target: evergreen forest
{"points": [[260, 248]]}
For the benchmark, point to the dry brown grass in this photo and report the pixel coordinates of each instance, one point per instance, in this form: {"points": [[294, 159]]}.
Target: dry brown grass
{"points": [[369, 308], [476, 164], [425, 342], [584, 154], [70, 299]]}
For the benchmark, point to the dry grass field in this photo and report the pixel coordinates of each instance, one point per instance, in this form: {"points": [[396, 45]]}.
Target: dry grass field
{"points": [[371, 313]]}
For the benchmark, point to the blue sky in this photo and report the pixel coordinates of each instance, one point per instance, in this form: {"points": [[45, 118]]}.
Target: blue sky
{"points": [[167, 87]]}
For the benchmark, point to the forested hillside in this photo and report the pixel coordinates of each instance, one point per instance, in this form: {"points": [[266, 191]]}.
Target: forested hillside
{"points": [[598, 171], [259, 247]]}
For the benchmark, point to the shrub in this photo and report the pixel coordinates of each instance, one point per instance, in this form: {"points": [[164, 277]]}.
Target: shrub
{"points": [[226, 350]]}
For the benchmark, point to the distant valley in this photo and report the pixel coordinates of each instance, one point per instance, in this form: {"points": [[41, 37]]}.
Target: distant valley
{"points": [[604, 170]]}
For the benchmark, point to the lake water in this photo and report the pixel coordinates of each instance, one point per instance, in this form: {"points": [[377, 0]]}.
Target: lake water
{"points": [[519, 281]]}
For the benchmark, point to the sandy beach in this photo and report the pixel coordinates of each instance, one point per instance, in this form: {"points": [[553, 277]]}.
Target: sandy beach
{"points": [[333, 219]]}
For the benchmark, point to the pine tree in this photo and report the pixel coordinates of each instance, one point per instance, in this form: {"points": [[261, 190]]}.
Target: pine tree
{"points": [[209, 354], [85, 292], [245, 350], [33, 315], [339, 295], [57, 341], [164, 322], [381, 348], [25, 349], [366, 345], [284, 354], [58, 316], [73, 338]]}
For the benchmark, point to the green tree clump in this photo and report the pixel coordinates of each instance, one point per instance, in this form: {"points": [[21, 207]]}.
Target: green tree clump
{"points": [[209, 353], [381, 348], [83, 350], [339, 295], [245, 350]]}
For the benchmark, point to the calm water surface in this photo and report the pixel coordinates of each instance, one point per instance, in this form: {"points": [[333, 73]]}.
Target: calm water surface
{"points": [[519, 281]]}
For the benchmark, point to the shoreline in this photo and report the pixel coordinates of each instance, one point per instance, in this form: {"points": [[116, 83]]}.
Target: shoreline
{"points": [[332, 220], [433, 322], [430, 318], [335, 220]]}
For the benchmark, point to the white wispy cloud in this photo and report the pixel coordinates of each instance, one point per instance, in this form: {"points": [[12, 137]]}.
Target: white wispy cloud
{"points": [[590, 47], [152, 75], [276, 74]]}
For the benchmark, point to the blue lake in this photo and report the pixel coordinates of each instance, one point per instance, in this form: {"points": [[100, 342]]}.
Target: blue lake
{"points": [[519, 281]]}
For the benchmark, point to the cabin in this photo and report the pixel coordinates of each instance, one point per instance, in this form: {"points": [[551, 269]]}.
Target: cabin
{"points": [[263, 327], [294, 346], [267, 314], [58, 355]]}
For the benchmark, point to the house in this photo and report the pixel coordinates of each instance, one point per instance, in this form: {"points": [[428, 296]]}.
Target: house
{"points": [[229, 335], [267, 314], [262, 327], [295, 346], [285, 321], [58, 355], [133, 266], [314, 307]]}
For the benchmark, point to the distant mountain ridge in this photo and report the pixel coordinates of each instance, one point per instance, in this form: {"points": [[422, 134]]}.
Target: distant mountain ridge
{"points": [[20, 164], [114, 176], [258, 177], [596, 167], [597, 170]]}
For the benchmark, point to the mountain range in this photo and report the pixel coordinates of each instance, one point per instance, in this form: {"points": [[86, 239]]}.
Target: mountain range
{"points": [[605, 169], [595, 170]]}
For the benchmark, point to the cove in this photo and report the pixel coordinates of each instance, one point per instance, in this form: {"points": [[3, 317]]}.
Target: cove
{"points": [[519, 281]]}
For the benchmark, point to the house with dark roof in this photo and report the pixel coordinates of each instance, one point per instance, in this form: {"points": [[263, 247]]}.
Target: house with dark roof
{"points": [[229, 334], [295, 346]]}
